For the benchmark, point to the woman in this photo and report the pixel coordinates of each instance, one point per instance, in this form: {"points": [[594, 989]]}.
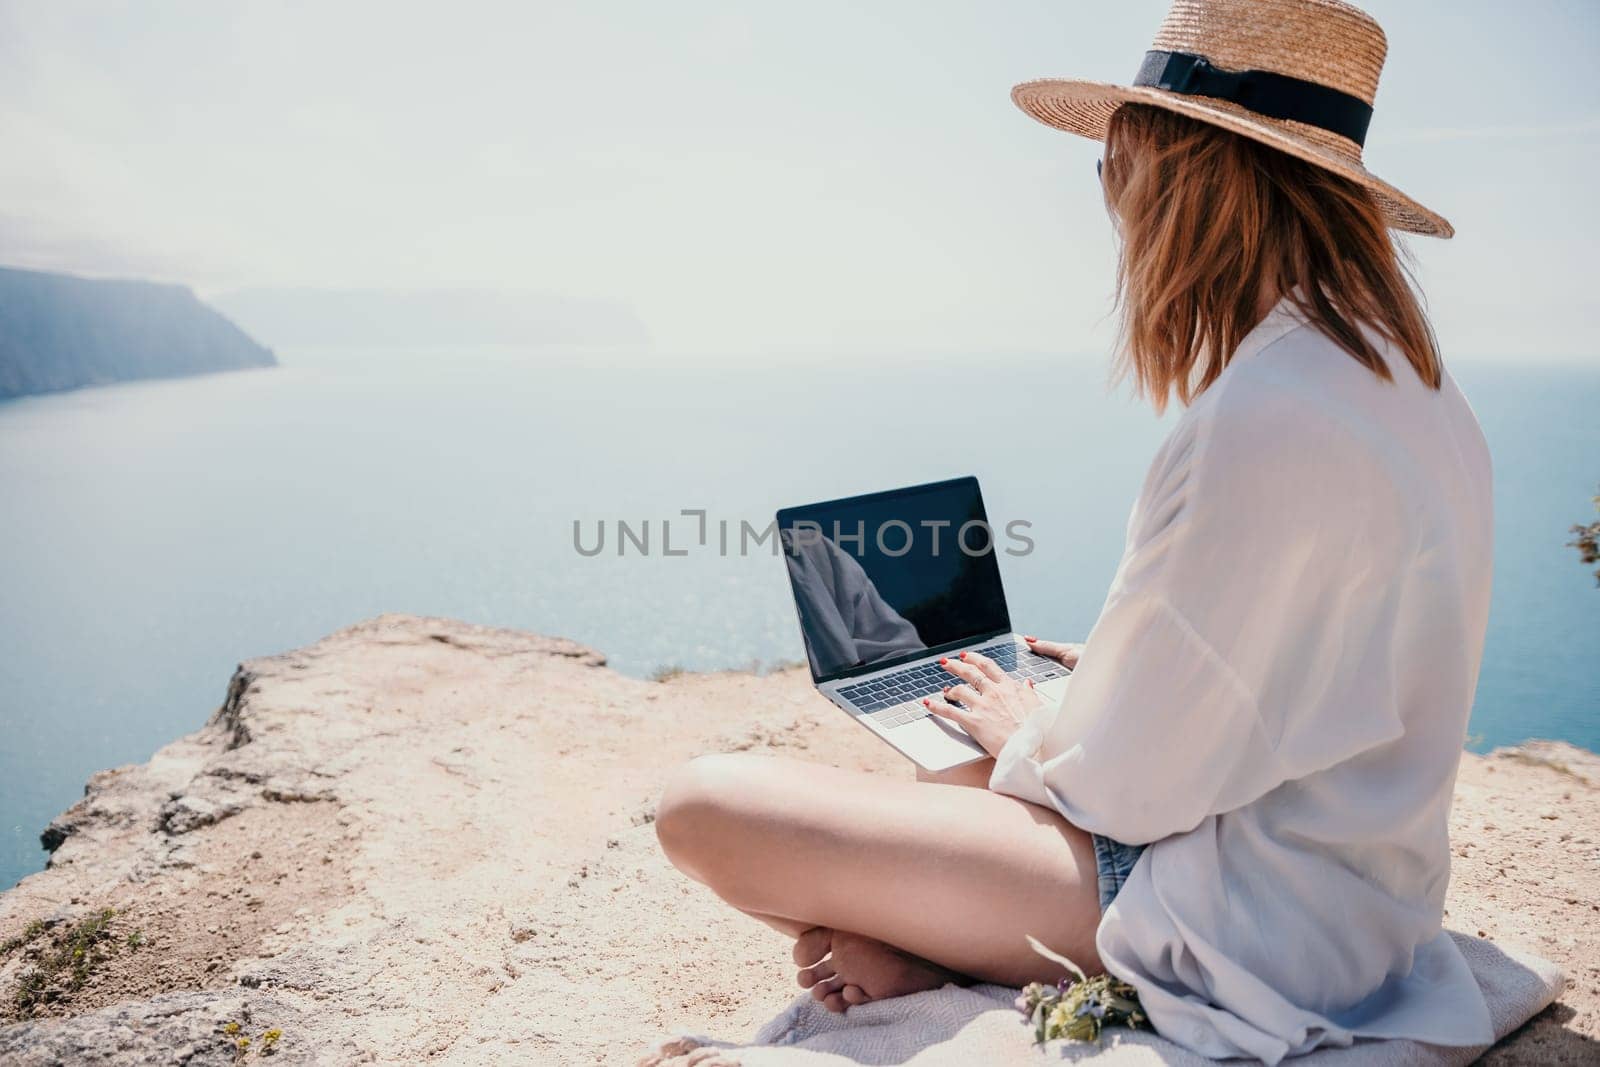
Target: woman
{"points": [[1240, 804]]}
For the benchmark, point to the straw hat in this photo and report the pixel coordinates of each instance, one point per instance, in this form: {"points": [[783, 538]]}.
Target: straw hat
{"points": [[1299, 75]]}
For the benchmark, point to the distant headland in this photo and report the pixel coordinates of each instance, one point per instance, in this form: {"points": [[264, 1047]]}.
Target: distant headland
{"points": [[61, 332]]}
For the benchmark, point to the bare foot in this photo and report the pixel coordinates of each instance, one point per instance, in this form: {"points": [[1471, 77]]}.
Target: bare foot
{"points": [[841, 969]]}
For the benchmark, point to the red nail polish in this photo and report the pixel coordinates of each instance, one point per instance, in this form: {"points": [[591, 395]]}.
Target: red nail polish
{"points": [[943, 661], [963, 657], [925, 703]]}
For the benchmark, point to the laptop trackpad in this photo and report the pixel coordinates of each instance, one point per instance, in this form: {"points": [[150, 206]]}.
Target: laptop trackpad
{"points": [[1054, 689], [937, 745]]}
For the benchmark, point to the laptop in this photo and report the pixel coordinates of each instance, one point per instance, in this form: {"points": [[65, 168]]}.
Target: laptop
{"points": [[888, 583]]}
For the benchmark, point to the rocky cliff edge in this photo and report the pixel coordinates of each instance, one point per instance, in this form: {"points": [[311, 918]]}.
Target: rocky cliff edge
{"points": [[420, 839]]}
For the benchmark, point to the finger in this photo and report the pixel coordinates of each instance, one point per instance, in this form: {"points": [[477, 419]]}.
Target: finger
{"points": [[965, 671], [945, 710], [963, 694], [1061, 652], [989, 667]]}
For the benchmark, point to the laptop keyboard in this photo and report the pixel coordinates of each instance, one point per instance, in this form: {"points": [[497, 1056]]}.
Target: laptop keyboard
{"points": [[895, 699]]}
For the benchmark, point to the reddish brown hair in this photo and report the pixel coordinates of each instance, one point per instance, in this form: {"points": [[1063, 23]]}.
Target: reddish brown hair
{"points": [[1210, 221]]}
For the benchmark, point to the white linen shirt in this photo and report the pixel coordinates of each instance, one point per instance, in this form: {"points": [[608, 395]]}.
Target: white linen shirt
{"points": [[1275, 697]]}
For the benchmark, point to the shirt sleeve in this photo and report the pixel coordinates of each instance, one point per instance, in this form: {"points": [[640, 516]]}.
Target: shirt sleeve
{"points": [[1247, 639], [1153, 734]]}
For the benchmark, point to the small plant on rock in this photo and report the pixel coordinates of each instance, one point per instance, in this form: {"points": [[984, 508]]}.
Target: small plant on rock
{"points": [[29, 934], [63, 967], [1586, 539], [1077, 1008]]}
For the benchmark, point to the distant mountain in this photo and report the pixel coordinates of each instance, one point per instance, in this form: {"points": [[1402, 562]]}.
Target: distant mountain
{"points": [[61, 332], [429, 317]]}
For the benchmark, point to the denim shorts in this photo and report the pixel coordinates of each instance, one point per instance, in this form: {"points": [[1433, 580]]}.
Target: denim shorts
{"points": [[1113, 863]]}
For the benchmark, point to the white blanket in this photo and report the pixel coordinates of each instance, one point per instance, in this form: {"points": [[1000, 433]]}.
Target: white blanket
{"points": [[955, 1027]]}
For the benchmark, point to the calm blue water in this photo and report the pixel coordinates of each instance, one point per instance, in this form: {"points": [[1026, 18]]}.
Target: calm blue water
{"points": [[156, 534]]}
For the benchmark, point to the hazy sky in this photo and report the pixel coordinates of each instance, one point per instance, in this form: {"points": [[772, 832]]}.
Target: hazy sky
{"points": [[747, 175]]}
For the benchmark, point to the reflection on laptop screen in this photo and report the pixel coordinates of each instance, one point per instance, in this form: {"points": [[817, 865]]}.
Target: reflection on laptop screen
{"points": [[888, 577]]}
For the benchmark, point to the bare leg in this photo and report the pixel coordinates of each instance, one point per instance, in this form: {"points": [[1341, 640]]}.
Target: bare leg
{"points": [[791, 927], [948, 875], [975, 775], [841, 967], [969, 774]]}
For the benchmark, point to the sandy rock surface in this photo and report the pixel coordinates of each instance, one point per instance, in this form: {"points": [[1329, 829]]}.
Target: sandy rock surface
{"points": [[420, 839]]}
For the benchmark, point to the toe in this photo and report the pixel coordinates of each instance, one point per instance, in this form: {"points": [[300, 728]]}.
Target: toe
{"points": [[854, 994], [834, 1002], [822, 972], [812, 945], [830, 988]]}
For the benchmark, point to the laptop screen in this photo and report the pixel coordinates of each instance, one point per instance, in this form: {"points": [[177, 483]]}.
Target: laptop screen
{"points": [[893, 576]]}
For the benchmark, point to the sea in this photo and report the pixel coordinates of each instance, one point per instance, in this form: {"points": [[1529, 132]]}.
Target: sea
{"points": [[155, 534]]}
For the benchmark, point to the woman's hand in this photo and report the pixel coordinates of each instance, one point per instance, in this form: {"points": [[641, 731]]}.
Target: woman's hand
{"points": [[1064, 654], [992, 704]]}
